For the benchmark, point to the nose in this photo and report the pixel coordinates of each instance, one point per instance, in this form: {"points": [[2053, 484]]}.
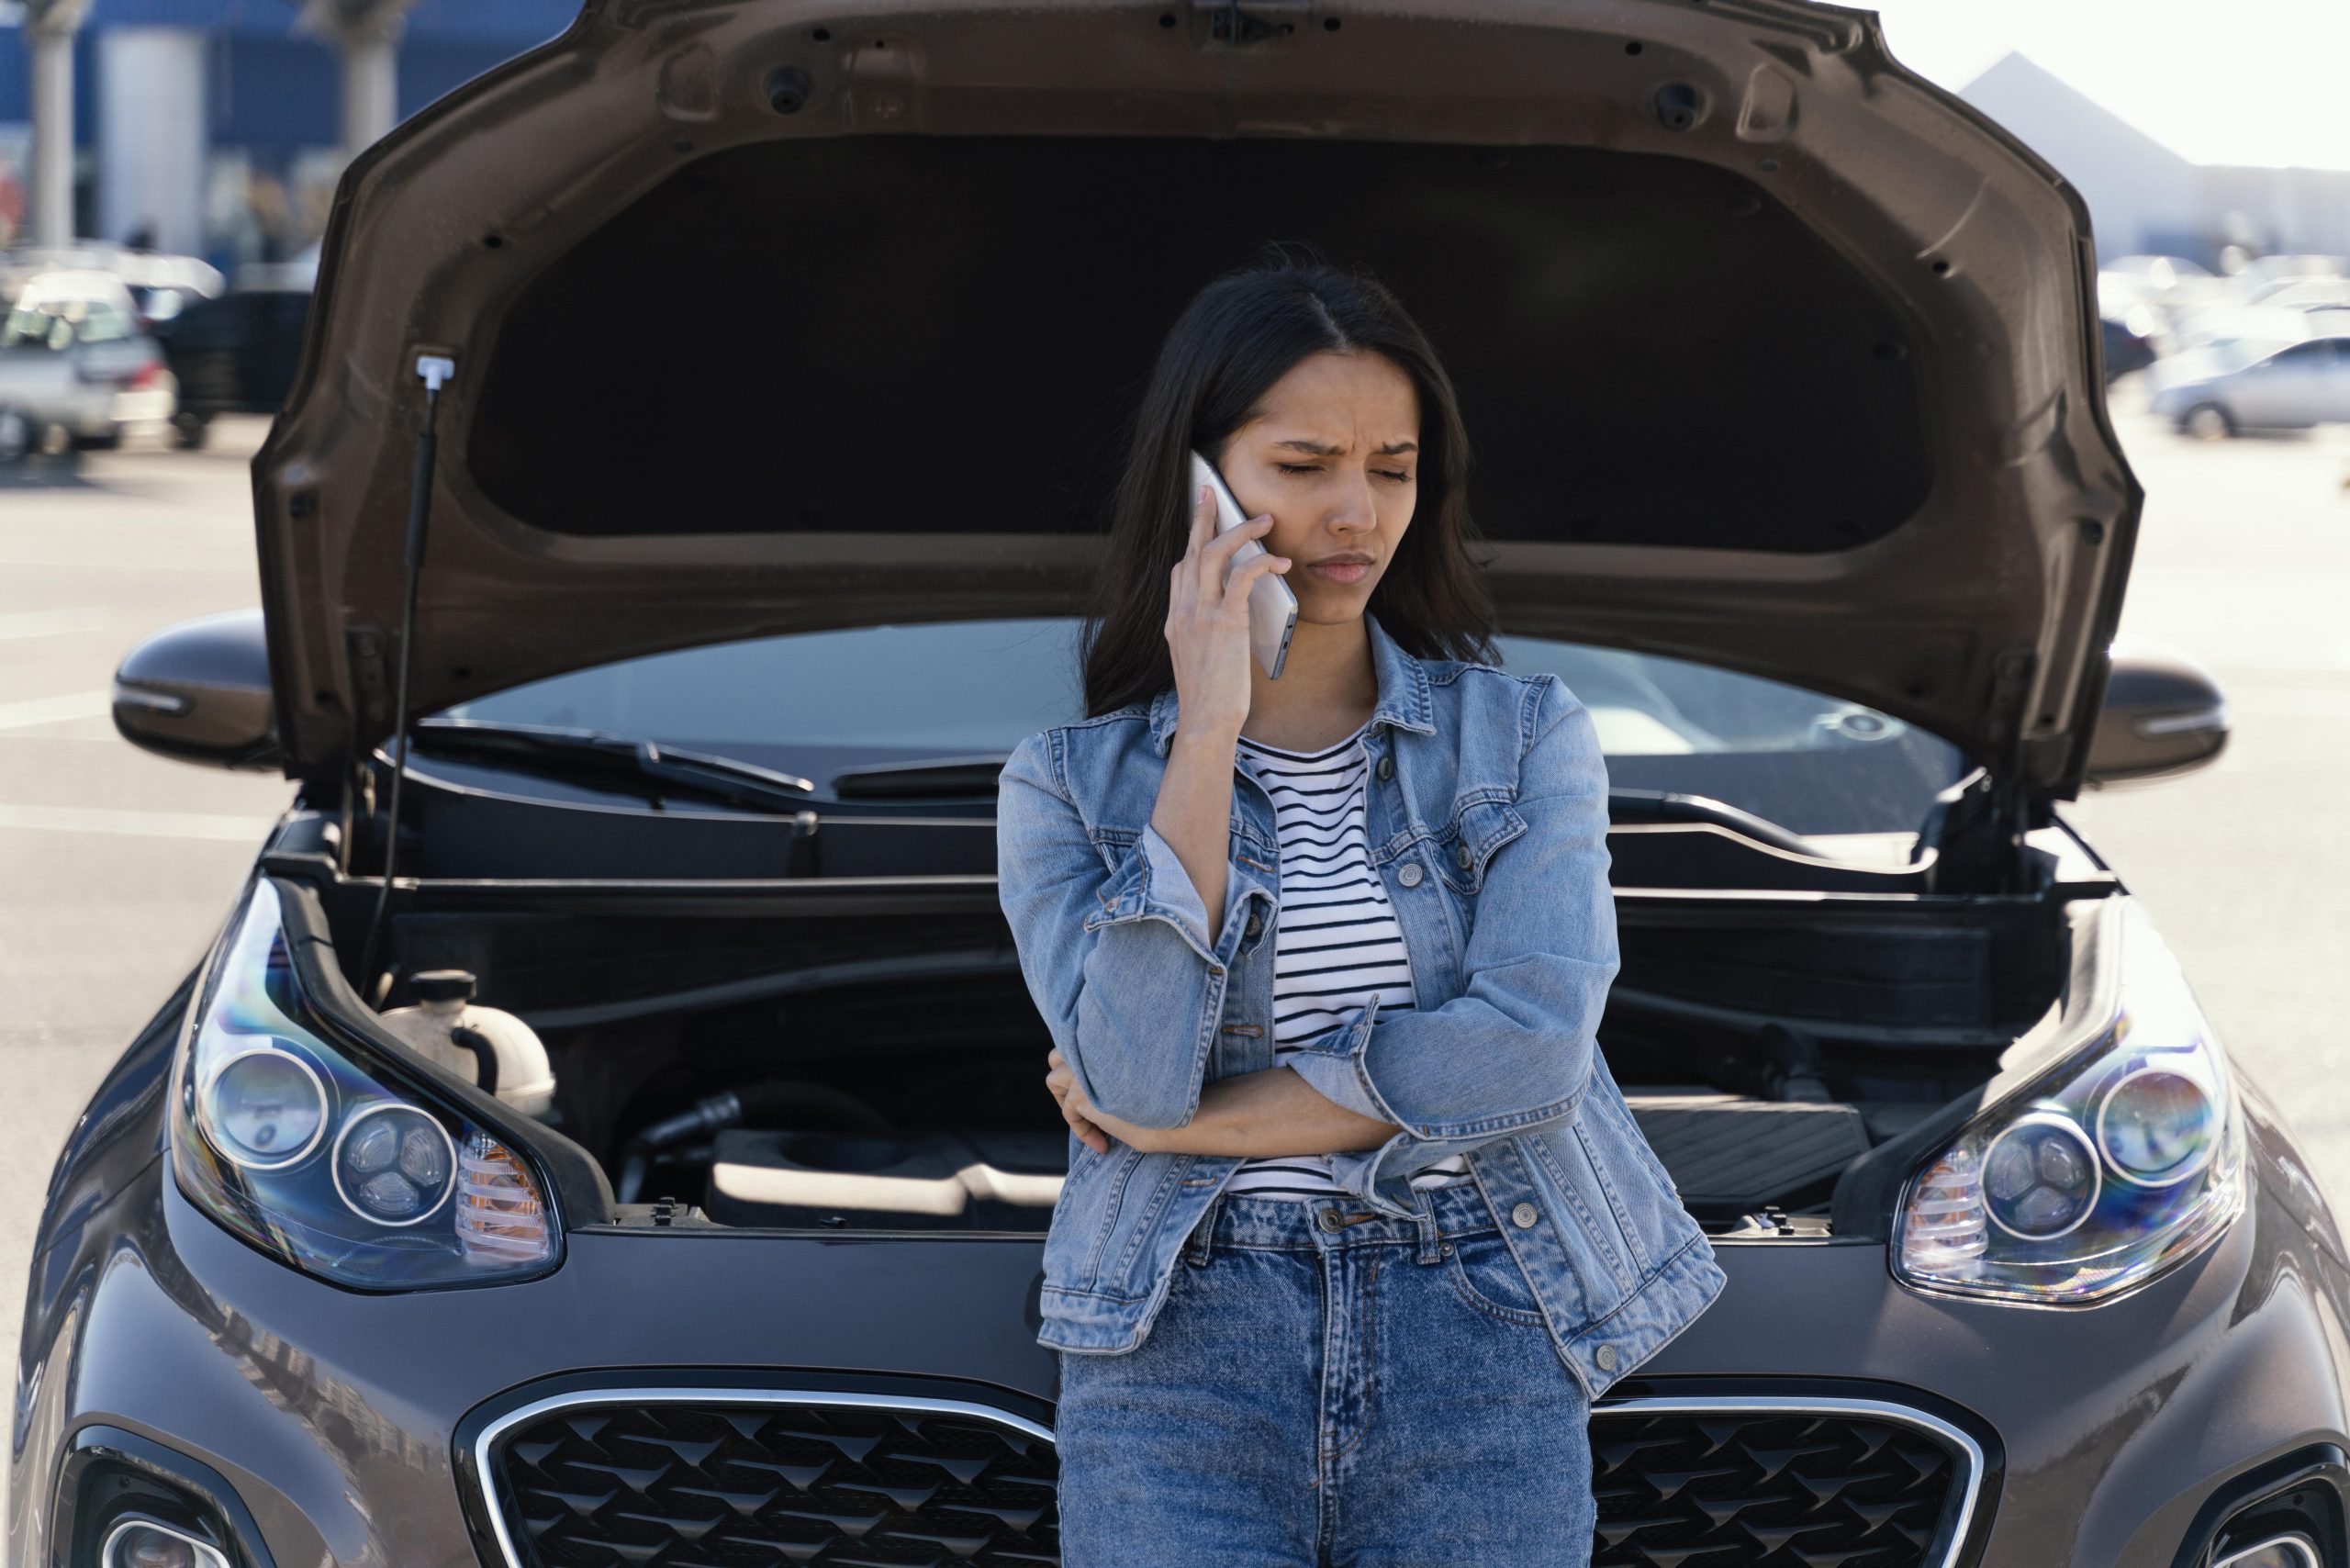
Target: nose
{"points": [[1355, 506]]}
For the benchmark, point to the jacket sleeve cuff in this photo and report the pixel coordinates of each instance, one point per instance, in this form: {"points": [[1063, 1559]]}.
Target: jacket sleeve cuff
{"points": [[1339, 1080], [1151, 884], [1333, 1063]]}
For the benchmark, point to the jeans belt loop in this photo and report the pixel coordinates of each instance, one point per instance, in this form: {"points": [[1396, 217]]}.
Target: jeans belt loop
{"points": [[1424, 1215], [1195, 1248]]}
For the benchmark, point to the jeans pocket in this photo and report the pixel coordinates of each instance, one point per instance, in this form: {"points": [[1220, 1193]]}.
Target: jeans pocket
{"points": [[1486, 1275]]}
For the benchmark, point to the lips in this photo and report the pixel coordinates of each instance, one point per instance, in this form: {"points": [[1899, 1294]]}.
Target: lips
{"points": [[1341, 569]]}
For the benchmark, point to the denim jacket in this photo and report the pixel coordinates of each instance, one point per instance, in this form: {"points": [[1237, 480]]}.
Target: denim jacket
{"points": [[1487, 818]]}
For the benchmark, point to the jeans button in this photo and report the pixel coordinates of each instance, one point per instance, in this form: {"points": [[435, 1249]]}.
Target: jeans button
{"points": [[1604, 1356], [1524, 1215], [1329, 1220], [1460, 857], [1255, 924], [1387, 767], [1410, 874]]}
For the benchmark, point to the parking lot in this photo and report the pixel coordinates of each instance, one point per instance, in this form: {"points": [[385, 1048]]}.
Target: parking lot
{"points": [[119, 864]]}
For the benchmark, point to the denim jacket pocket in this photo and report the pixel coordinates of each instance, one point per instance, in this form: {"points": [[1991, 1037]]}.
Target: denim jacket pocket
{"points": [[1469, 840]]}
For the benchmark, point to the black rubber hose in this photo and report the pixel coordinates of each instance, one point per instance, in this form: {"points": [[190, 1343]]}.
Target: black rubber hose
{"points": [[485, 1054]]}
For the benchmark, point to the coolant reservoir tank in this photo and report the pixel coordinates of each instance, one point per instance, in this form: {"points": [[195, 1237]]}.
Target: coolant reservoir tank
{"points": [[450, 1029]]}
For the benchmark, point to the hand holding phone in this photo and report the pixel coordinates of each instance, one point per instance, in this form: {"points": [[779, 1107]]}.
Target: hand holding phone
{"points": [[1273, 608]]}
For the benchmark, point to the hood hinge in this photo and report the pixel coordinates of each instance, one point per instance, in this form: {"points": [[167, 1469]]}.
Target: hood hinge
{"points": [[1977, 829]]}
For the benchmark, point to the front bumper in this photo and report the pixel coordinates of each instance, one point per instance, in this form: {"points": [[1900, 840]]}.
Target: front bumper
{"points": [[335, 1417]]}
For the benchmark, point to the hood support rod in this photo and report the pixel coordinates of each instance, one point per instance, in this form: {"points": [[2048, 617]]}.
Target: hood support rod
{"points": [[432, 370]]}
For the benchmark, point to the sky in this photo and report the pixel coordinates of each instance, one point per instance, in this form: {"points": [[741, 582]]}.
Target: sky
{"points": [[2217, 81]]}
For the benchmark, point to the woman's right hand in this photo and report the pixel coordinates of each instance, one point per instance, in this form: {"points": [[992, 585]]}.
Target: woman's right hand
{"points": [[1207, 620]]}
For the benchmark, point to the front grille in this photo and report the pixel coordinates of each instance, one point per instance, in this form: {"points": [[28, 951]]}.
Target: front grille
{"points": [[1722, 1488], [829, 1482], [825, 1484]]}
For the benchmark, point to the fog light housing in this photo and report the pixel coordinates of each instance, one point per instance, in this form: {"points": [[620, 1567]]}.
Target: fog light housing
{"points": [[2293, 1551], [143, 1543]]}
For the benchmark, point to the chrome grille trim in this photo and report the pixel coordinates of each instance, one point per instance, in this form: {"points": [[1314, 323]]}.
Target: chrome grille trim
{"points": [[1964, 1448]]}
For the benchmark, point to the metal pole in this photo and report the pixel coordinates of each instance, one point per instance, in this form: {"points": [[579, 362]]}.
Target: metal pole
{"points": [[50, 26], [365, 34]]}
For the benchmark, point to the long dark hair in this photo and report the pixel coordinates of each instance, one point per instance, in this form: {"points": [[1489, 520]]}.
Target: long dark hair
{"points": [[1240, 334]]}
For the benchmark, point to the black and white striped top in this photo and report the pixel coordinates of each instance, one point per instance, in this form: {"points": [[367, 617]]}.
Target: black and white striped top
{"points": [[1335, 940]]}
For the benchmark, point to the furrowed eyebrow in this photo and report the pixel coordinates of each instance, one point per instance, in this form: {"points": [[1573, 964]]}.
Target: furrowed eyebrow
{"points": [[1319, 449]]}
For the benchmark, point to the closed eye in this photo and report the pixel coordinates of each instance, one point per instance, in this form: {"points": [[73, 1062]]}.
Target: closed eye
{"points": [[1389, 474]]}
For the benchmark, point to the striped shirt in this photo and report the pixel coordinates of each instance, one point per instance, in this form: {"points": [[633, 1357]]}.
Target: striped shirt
{"points": [[1335, 940]]}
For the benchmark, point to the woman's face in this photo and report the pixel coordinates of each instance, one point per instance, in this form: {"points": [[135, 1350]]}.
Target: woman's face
{"points": [[1334, 456]]}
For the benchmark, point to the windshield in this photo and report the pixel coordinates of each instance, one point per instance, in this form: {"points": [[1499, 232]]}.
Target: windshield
{"points": [[819, 703]]}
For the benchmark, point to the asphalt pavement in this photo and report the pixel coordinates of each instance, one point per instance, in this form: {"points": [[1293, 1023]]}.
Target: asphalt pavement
{"points": [[119, 866]]}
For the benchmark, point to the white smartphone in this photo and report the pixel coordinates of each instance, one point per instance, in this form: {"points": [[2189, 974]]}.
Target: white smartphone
{"points": [[1272, 608]]}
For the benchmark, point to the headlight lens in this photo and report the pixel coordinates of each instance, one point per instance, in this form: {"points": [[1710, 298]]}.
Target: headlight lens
{"points": [[2125, 1162], [315, 1154]]}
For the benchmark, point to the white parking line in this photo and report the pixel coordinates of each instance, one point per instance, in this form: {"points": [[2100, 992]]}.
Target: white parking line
{"points": [[54, 710], [149, 824], [53, 622]]}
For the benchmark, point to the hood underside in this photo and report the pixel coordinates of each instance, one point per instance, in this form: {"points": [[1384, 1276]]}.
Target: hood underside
{"points": [[1773, 356]]}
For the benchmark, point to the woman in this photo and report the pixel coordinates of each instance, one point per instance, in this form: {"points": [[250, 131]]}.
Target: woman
{"points": [[1323, 958]]}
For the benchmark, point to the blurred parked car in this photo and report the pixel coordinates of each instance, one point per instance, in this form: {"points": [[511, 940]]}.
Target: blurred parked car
{"points": [[234, 354], [160, 284], [2221, 388], [2303, 294], [2258, 276], [78, 366]]}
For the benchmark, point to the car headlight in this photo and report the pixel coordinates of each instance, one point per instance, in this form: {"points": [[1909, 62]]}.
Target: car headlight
{"points": [[317, 1153], [2123, 1162]]}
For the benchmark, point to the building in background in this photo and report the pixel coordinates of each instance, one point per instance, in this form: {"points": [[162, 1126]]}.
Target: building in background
{"points": [[2146, 199], [213, 128]]}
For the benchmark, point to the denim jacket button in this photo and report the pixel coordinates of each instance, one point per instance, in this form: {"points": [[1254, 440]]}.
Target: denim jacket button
{"points": [[1255, 924], [1387, 767], [1410, 874], [1523, 1215], [1460, 857], [1605, 1358]]}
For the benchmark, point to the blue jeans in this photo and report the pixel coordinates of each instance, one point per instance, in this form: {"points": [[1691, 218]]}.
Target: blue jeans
{"points": [[1327, 1387]]}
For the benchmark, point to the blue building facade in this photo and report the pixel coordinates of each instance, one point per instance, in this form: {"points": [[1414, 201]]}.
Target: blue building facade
{"points": [[259, 98]]}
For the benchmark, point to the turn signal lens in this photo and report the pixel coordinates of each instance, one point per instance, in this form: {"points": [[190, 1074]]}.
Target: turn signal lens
{"points": [[499, 1217]]}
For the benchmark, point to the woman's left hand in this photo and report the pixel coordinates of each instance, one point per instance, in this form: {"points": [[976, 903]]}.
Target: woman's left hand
{"points": [[1084, 1118]]}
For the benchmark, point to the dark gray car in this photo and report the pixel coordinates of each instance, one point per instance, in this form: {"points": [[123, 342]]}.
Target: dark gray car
{"points": [[716, 625]]}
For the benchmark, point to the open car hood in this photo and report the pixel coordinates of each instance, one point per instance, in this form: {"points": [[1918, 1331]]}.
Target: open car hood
{"points": [[1773, 355]]}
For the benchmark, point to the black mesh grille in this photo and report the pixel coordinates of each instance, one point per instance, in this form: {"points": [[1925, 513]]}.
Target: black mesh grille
{"points": [[1720, 1489], [835, 1485], [663, 1485]]}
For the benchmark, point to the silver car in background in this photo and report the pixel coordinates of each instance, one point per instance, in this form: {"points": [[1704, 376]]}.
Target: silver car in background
{"points": [[2221, 388], [78, 367]]}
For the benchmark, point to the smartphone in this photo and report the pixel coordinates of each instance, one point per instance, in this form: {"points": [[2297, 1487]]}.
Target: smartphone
{"points": [[1272, 608]]}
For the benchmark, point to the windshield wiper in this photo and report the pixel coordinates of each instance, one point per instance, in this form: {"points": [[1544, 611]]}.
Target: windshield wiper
{"points": [[936, 778], [579, 752]]}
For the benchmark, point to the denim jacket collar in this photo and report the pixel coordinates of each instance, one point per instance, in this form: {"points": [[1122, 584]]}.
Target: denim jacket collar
{"points": [[1402, 692]]}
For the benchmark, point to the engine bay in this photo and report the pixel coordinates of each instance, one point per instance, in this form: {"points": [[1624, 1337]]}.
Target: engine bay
{"points": [[883, 1072]]}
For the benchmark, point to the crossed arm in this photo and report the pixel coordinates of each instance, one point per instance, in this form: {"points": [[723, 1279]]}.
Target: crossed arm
{"points": [[1250, 1114], [1511, 1052]]}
